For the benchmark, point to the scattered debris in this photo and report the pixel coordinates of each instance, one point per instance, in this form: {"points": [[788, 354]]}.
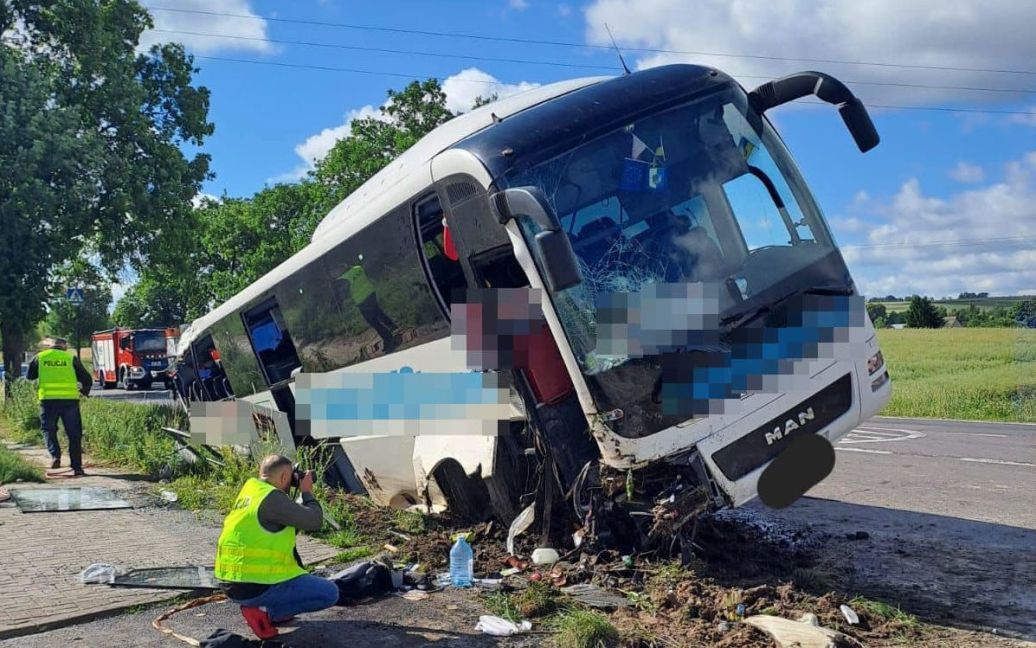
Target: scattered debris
{"points": [[51, 500], [857, 535], [594, 596], [519, 525], [849, 614], [98, 573], [500, 627], [545, 556], [810, 618], [4, 494], [169, 496], [191, 577], [415, 595], [788, 633]]}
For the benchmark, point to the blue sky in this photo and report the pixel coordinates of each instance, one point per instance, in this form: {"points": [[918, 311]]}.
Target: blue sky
{"points": [[946, 203]]}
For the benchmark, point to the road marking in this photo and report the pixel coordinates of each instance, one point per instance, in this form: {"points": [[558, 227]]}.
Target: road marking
{"points": [[1002, 436], [999, 462], [867, 435], [881, 452]]}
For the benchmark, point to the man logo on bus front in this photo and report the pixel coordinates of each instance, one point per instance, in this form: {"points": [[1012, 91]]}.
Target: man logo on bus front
{"points": [[789, 426]]}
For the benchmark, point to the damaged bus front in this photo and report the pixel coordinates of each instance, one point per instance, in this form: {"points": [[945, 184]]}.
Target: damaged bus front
{"points": [[697, 316]]}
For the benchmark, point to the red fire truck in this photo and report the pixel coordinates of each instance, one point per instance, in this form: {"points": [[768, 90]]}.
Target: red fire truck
{"points": [[133, 358]]}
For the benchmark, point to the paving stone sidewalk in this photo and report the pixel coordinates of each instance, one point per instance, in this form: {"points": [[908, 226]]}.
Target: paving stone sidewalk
{"points": [[42, 554]]}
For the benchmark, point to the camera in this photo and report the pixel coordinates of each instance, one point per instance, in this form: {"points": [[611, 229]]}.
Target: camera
{"points": [[296, 476]]}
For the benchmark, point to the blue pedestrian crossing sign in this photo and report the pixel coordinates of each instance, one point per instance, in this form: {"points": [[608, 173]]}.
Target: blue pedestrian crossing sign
{"points": [[74, 295]]}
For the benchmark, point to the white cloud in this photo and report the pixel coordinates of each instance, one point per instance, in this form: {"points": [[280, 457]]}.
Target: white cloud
{"points": [[463, 88], [201, 198], [316, 146], [208, 23], [954, 33], [967, 173], [993, 229], [518, 5]]}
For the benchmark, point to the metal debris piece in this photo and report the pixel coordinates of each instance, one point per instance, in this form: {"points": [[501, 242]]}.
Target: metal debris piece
{"points": [[594, 596], [519, 525], [849, 614], [188, 577], [51, 500], [788, 633]]}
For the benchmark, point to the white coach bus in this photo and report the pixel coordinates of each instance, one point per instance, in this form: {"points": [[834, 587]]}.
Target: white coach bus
{"points": [[580, 189]]}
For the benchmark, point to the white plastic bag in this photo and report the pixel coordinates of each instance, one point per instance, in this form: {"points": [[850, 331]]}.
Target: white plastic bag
{"points": [[499, 627], [98, 573]]}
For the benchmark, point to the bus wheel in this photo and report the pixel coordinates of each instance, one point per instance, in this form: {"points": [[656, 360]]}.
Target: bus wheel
{"points": [[466, 496]]}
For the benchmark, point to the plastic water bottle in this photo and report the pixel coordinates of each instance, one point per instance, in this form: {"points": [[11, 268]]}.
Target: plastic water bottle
{"points": [[462, 563]]}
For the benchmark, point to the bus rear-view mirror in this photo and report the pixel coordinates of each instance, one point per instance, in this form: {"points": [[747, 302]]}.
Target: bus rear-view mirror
{"points": [[551, 245], [824, 86]]}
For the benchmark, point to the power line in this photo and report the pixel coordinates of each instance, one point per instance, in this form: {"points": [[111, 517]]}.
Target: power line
{"points": [[325, 68], [531, 41], [394, 51], [555, 63], [957, 243]]}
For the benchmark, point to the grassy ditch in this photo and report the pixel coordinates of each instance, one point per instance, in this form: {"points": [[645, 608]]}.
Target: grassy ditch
{"points": [[13, 468], [962, 373]]}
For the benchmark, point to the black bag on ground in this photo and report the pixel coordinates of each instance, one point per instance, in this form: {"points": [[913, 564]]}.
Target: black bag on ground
{"points": [[226, 639], [363, 580]]}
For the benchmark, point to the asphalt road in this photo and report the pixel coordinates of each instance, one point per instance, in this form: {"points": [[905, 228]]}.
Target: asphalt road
{"points": [[977, 471], [948, 513]]}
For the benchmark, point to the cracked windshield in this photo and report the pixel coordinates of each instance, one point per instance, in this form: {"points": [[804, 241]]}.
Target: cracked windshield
{"points": [[694, 195]]}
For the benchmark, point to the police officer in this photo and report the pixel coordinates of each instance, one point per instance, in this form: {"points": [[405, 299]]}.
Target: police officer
{"points": [[256, 560], [62, 378]]}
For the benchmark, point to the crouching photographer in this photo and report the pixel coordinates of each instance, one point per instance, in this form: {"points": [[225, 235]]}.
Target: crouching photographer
{"points": [[256, 559]]}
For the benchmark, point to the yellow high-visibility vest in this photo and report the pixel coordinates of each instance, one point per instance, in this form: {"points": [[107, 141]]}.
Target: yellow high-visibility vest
{"points": [[360, 286], [57, 376], [248, 553]]}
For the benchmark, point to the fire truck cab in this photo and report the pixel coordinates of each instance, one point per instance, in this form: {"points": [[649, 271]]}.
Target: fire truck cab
{"points": [[132, 358]]}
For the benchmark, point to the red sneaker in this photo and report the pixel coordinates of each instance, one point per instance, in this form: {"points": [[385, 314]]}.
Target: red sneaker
{"points": [[259, 621]]}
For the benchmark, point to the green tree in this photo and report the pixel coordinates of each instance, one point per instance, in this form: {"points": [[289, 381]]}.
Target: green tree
{"points": [[922, 313], [1024, 313], [876, 311], [90, 144], [76, 323], [406, 117]]}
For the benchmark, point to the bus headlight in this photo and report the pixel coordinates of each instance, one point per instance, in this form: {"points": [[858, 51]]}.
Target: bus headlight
{"points": [[876, 362]]}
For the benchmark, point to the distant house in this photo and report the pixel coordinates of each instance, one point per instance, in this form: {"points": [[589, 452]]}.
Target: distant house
{"points": [[951, 322], [899, 326]]}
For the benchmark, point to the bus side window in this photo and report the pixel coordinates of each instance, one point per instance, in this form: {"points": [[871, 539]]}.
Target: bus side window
{"points": [[446, 274], [271, 341]]}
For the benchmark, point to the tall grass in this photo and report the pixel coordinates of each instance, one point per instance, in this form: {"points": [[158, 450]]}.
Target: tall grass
{"points": [[126, 434], [965, 373], [13, 468]]}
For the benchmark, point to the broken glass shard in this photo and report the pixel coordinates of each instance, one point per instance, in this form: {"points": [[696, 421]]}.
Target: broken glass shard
{"points": [[47, 500], [188, 578]]}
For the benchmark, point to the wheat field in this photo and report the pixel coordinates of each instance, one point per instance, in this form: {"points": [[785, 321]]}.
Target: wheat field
{"points": [[963, 373]]}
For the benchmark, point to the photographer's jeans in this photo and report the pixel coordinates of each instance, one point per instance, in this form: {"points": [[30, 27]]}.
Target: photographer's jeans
{"points": [[306, 593]]}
